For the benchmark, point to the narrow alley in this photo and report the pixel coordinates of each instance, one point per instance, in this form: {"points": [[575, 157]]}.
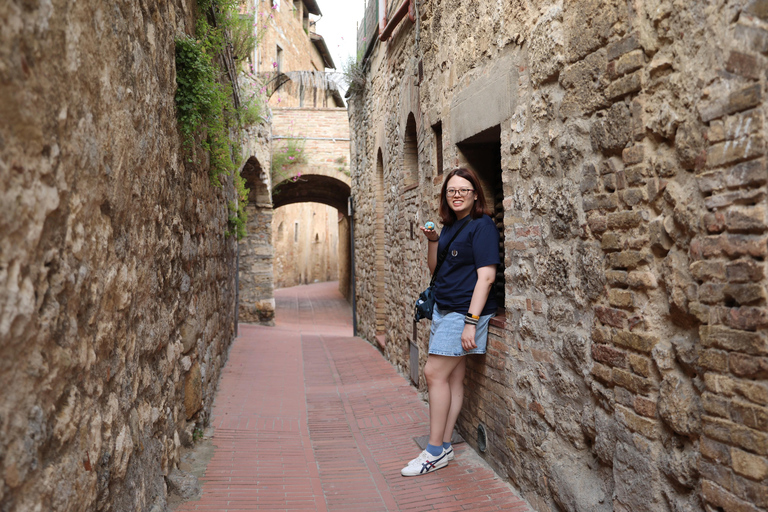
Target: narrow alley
{"points": [[308, 417]]}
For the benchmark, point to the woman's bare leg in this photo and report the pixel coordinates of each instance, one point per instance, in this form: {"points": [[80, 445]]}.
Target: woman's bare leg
{"points": [[437, 373], [456, 383]]}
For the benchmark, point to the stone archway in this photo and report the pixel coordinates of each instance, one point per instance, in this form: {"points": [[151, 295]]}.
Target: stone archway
{"points": [[256, 252], [327, 190]]}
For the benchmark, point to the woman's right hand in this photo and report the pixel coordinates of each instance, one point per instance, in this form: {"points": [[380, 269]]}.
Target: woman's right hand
{"points": [[431, 234]]}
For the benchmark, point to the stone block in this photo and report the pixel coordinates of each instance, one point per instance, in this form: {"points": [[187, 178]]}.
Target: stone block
{"points": [[732, 433], [610, 131], [758, 8], [625, 85], [746, 293], [739, 125], [679, 404], [637, 174], [636, 423], [611, 242], [716, 131], [626, 220], [609, 355], [645, 407], [616, 277], [634, 196], [711, 181], [712, 359], [727, 152], [749, 465], [715, 405], [628, 62], [619, 298], [752, 38], [641, 280], [746, 318], [736, 197], [623, 46], [752, 416], [744, 271], [717, 336], [750, 367], [641, 365], [602, 373], [719, 497], [628, 259], [744, 98], [744, 245], [658, 237], [754, 492], [714, 222], [708, 270], [715, 451], [743, 64], [589, 179], [611, 316], [747, 219], [633, 155], [747, 174], [635, 341], [589, 25], [601, 334], [600, 202], [584, 82], [598, 223]]}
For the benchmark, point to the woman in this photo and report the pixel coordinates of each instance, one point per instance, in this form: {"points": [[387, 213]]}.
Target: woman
{"points": [[462, 311]]}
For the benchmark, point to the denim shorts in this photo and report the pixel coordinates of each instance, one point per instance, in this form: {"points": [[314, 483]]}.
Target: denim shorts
{"points": [[445, 333]]}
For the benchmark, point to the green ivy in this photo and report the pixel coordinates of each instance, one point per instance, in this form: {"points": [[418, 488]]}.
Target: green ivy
{"points": [[285, 157], [238, 218], [208, 120]]}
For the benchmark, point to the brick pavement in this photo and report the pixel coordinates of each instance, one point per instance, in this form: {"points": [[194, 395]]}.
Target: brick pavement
{"points": [[307, 417]]}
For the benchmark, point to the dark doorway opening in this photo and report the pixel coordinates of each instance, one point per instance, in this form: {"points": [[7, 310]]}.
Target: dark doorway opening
{"points": [[483, 155]]}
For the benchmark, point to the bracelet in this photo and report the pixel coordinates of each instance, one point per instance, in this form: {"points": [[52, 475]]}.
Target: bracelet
{"points": [[471, 319], [432, 241]]}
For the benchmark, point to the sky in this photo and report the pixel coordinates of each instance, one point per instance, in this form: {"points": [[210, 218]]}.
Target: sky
{"points": [[338, 26]]}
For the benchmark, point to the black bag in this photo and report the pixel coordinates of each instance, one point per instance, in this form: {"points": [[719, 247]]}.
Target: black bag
{"points": [[426, 301]]}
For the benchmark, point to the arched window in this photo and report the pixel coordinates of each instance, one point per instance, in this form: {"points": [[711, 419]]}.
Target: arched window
{"points": [[410, 153]]}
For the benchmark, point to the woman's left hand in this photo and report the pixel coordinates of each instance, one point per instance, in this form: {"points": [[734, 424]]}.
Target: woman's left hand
{"points": [[468, 337]]}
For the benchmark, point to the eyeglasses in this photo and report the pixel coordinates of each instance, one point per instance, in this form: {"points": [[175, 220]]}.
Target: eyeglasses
{"points": [[458, 191]]}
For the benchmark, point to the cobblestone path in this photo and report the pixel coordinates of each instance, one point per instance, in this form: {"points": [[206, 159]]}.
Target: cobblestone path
{"points": [[308, 417]]}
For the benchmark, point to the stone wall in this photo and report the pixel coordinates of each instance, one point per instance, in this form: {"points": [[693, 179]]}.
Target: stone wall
{"points": [[117, 283], [627, 371]]}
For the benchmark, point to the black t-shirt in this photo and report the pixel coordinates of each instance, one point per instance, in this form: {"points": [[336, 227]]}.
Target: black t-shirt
{"points": [[476, 246]]}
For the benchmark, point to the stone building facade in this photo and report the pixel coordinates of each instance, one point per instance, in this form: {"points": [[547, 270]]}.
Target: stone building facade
{"points": [[306, 239], [622, 148], [321, 249], [117, 281]]}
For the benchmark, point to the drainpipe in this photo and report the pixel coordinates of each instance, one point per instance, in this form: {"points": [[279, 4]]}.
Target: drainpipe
{"points": [[351, 213], [405, 8]]}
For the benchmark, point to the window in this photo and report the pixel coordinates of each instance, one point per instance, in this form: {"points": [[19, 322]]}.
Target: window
{"points": [[279, 59], [295, 231], [410, 153], [297, 9], [276, 5], [437, 129]]}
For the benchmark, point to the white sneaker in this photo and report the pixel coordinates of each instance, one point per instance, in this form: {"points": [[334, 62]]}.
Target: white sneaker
{"points": [[425, 463], [448, 452]]}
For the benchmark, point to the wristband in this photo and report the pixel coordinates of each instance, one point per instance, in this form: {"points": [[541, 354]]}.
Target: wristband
{"points": [[471, 319]]}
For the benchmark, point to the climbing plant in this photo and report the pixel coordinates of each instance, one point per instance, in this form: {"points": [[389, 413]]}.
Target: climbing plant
{"points": [[208, 120], [285, 157]]}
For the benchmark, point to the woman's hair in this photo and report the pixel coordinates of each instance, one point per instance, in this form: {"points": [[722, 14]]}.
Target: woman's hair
{"points": [[448, 216]]}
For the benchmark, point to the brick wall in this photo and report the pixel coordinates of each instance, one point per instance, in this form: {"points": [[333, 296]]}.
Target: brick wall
{"points": [[628, 371]]}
